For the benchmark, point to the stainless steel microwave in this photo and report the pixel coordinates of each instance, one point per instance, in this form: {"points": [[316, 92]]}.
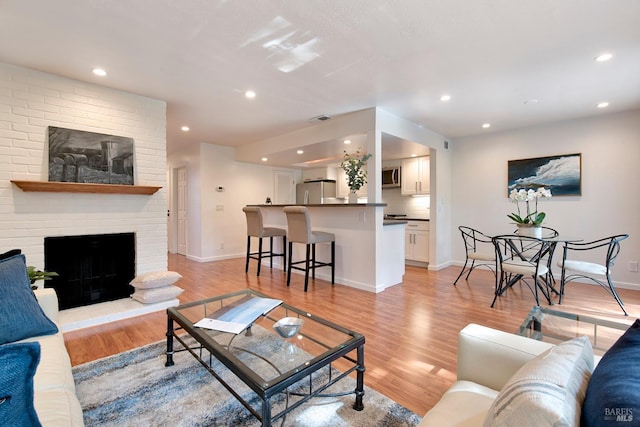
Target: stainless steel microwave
{"points": [[391, 177]]}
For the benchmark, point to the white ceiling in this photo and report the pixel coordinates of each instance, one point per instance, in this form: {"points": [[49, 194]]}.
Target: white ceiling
{"points": [[305, 58]]}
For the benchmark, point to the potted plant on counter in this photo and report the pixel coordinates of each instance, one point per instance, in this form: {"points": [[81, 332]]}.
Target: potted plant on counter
{"points": [[353, 165]]}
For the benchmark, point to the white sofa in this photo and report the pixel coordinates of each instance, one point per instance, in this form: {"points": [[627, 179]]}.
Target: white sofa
{"points": [[487, 359], [55, 400]]}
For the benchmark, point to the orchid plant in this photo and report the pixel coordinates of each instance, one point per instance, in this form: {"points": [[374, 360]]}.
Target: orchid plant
{"points": [[529, 197]]}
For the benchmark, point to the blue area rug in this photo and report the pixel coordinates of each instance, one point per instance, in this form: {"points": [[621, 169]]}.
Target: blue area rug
{"points": [[134, 388]]}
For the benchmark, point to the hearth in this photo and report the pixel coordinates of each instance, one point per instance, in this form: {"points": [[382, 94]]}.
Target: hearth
{"points": [[92, 268]]}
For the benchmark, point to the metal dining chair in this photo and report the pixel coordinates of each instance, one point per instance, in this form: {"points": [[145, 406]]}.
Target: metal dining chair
{"points": [[607, 249], [478, 249], [519, 258], [548, 233]]}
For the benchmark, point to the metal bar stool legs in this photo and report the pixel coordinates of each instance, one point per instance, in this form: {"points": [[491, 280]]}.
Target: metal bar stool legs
{"points": [[299, 231], [310, 263], [256, 229]]}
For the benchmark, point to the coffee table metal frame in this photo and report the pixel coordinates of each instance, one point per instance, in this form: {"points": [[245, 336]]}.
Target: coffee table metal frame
{"points": [[533, 326], [265, 390]]}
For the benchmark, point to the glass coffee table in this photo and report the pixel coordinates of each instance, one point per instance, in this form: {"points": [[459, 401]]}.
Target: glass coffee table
{"points": [[555, 326], [268, 365]]}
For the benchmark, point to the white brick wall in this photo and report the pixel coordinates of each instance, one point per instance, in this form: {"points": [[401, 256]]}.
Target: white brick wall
{"points": [[30, 101]]}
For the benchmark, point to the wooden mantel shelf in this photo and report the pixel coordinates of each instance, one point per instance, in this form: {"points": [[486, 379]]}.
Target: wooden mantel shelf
{"points": [[76, 187]]}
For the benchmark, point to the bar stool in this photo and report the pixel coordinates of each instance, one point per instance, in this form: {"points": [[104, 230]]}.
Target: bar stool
{"points": [[299, 231], [256, 229]]}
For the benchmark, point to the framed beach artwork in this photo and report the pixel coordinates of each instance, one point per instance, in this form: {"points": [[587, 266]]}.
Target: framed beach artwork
{"points": [[89, 157], [562, 174]]}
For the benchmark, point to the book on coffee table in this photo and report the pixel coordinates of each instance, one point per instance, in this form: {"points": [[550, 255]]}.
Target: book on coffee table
{"points": [[239, 315]]}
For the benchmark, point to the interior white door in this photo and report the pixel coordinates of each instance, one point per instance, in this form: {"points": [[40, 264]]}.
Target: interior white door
{"points": [[181, 194], [285, 188]]}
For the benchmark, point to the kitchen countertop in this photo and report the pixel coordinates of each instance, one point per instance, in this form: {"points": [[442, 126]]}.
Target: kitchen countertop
{"points": [[324, 205], [393, 221], [404, 218]]}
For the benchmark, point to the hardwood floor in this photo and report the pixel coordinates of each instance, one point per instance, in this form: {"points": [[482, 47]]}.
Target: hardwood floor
{"points": [[410, 329]]}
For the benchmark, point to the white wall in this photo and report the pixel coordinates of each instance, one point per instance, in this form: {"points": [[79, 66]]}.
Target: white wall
{"points": [[30, 102], [610, 177], [216, 224]]}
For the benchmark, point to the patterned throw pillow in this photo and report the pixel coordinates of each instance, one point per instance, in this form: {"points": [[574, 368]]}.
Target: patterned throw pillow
{"points": [[20, 314], [548, 390], [18, 364]]}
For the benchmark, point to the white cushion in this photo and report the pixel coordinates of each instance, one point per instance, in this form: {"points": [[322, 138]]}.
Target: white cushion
{"points": [[464, 404], [149, 296], [54, 369], [584, 267], [156, 279], [548, 390], [58, 408], [523, 267], [482, 256]]}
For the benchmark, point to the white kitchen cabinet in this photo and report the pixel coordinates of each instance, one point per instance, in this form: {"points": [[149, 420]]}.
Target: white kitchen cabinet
{"points": [[416, 244], [415, 176]]}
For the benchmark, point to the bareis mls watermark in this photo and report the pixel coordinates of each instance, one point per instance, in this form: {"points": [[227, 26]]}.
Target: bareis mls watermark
{"points": [[618, 414]]}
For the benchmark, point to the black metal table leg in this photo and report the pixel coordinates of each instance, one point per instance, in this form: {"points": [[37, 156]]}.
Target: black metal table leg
{"points": [[169, 361], [266, 413], [358, 405]]}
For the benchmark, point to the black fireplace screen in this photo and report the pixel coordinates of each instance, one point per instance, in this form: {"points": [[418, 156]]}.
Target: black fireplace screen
{"points": [[91, 268]]}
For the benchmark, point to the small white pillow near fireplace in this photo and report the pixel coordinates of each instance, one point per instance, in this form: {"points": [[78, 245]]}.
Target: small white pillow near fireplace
{"points": [[156, 279]]}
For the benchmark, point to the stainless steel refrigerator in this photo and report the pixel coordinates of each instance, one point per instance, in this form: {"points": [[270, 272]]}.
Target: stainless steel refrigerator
{"points": [[316, 192]]}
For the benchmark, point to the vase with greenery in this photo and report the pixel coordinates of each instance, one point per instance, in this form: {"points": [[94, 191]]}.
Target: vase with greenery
{"points": [[353, 166], [530, 197]]}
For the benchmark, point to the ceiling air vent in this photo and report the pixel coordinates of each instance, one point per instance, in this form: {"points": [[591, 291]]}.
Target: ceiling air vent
{"points": [[321, 118]]}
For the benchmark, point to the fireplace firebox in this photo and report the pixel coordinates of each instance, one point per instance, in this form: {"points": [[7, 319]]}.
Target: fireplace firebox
{"points": [[91, 268]]}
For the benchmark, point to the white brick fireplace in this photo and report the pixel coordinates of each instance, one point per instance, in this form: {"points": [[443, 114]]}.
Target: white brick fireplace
{"points": [[30, 102]]}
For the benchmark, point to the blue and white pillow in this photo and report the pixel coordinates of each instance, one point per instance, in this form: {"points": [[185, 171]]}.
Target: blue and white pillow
{"points": [[20, 314], [18, 364], [613, 395]]}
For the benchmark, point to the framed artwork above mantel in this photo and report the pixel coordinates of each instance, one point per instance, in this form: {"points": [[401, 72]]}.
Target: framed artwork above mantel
{"points": [[562, 174], [89, 157]]}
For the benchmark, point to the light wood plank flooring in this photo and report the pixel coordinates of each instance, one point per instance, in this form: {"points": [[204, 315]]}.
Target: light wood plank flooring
{"points": [[410, 329]]}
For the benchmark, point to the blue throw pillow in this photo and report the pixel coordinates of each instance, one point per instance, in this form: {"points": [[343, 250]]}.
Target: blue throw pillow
{"points": [[18, 363], [20, 314], [613, 394]]}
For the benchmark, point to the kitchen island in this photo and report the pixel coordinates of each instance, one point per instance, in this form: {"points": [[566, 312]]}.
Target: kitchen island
{"points": [[369, 250]]}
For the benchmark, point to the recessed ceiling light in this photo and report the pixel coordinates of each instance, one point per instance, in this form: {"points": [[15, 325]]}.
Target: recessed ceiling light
{"points": [[602, 104], [347, 141], [185, 128], [445, 98], [604, 57], [414, 155], [299, 151], [486, 125], [531, 101], [250, 94], [99, 72], [264, 159]]}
